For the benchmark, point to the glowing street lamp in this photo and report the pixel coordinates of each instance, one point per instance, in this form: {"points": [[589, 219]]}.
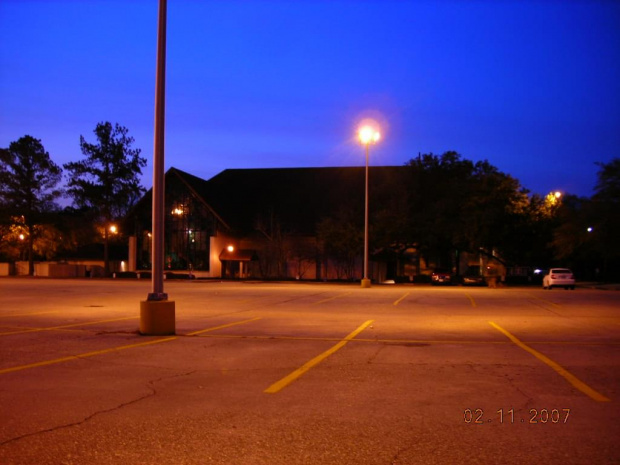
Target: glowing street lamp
{"points": [[367, 135], [553, 198]]}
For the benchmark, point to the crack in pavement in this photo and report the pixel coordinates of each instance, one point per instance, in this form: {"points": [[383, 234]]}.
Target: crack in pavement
{"points": [[510, 378], [399, 452], [372, 358], [150, 386]]}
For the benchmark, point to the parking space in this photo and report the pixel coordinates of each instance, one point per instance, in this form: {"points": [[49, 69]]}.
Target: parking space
{"points": [[307, 373]]}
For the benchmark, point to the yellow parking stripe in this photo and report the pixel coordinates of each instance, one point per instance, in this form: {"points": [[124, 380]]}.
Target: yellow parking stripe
{"points": [[572, 379], [88, 354], [544, 300], [471, 299], [114, 349], [194, 333], [29, 314], [51, 328], [402, 341], [279, 385], [331, 298], [401, 299]]}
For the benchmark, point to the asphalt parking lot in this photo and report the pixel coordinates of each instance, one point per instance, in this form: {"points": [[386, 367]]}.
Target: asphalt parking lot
{"points": [[262, 373]]}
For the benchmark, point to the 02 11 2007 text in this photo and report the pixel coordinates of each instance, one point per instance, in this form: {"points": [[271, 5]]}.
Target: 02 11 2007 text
{"points": [[535, 416]]}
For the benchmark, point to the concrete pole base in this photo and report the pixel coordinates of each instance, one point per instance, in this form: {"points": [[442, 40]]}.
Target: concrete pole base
{"points": [[365, 283], [157, 317]]}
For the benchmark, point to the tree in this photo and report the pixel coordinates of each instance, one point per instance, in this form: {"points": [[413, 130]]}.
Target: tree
{"points": [[458, 205], [107, 181], [28, 179], [342, 239], [604, 218], [608, 184], [585, 234], [494, 209]]}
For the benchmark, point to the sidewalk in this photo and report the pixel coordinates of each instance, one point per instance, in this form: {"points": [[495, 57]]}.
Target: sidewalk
{"points": [[598, 285]]}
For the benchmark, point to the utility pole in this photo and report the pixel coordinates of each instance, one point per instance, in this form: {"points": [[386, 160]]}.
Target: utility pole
{"points": [[157, 313]]}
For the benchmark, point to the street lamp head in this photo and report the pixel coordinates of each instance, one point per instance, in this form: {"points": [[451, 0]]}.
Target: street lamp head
{"points": [[553, 199], [368, 135]]}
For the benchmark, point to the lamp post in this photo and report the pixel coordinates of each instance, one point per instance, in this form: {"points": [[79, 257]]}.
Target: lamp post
{"points": [[157, 313], [367, 135]]}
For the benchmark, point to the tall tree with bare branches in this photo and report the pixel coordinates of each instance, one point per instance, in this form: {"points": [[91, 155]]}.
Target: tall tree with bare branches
{"points": [[28, 180], [107, 181]]}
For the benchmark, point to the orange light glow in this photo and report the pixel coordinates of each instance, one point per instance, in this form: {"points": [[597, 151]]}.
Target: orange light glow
{"points": [[368, 135]]}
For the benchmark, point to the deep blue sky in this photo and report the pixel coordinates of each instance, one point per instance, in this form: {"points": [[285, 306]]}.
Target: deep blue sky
{"points": [[531, 86]]}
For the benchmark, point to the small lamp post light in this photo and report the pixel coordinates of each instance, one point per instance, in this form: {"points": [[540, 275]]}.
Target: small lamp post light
{"points": [[367, 135], [553, 199], [230, 248], [22, 250], [113, 229]]}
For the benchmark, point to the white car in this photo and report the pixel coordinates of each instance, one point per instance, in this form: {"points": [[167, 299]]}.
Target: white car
{"points": [[559, 277]]}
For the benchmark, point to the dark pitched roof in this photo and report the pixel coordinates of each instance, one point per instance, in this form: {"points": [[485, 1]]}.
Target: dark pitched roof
{"points": [[293, 199], [296, 198], [197, 186]]}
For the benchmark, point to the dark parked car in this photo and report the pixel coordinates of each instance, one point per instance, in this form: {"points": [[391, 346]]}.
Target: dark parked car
{"points": [[473, 280], [441, 277], [472, 277]]}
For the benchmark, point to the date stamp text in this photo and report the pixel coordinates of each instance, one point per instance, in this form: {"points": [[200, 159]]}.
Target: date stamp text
{"points": [[478, 416]]}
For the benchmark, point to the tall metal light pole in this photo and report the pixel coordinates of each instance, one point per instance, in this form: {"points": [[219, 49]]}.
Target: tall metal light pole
{"points": [[157, 313], [367, 135], [158, 161]]}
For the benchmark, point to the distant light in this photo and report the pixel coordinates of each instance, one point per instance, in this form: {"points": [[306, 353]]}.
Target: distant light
{"points": [[368, 135], [230, 248], [113, 229], [590, 229], [553, 198], [22, 237]]}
